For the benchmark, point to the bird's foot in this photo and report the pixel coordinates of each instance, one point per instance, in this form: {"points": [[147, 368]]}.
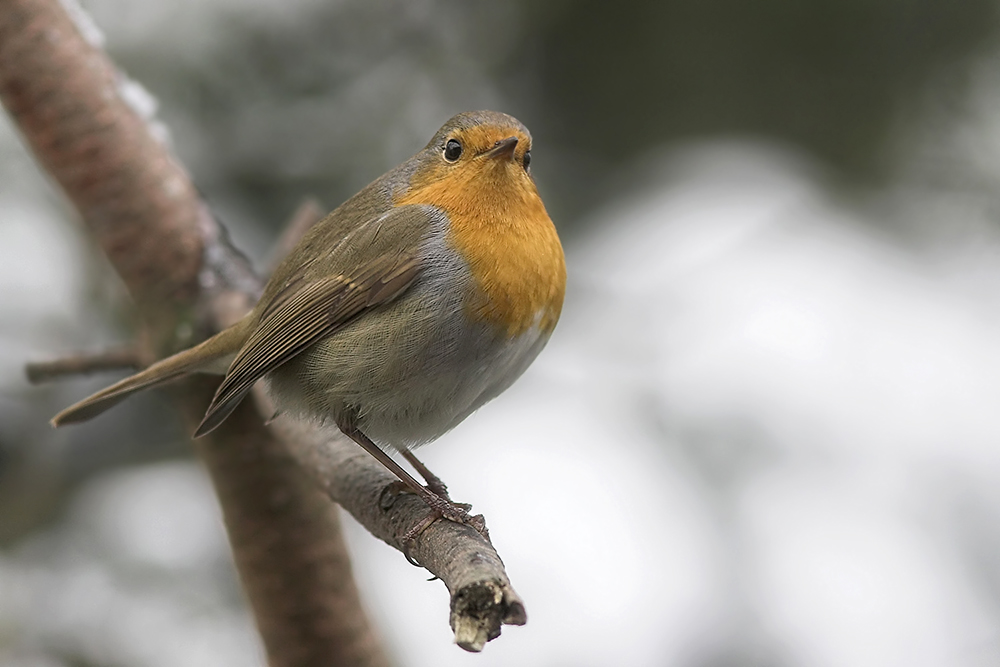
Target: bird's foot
{"points": [[441, 508], [436, 496]]}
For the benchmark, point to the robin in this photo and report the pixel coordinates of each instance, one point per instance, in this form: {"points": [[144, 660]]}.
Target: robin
{"points": [[408, 307]]}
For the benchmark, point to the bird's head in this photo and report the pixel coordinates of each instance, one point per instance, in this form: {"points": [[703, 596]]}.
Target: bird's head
{"points": [[479, 156]]}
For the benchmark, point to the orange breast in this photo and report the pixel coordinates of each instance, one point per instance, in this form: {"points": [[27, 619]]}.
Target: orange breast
{"points": [[500, 226]]}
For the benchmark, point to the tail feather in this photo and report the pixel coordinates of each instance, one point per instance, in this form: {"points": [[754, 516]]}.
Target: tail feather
{"points": [[213, 355]]}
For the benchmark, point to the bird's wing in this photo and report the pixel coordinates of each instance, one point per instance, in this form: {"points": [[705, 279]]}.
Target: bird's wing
{"points": [[309, 310]]}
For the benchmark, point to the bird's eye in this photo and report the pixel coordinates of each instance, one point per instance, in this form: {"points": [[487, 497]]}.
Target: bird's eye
{"points": [[452, 150], [527, 159]]}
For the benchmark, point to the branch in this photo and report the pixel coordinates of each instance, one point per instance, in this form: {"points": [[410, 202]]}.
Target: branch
{"points": [[482, 598], [84, 364], [71, 106]]}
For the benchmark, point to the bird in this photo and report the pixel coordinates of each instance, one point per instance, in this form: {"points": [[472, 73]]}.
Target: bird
{"points": [[403, 311]]}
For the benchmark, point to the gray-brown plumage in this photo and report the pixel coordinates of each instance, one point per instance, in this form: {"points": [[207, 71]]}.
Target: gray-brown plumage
{"points": [[405, 309]]}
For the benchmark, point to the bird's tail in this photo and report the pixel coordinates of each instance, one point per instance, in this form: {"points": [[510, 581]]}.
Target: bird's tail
{"points": [[211, 356]]}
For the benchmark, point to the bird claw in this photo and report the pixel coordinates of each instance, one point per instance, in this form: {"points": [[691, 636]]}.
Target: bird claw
{"points": [[435, 495], [442, 508]]}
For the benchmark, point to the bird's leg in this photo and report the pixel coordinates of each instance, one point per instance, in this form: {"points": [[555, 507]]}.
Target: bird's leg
{"points": [[434, 483], [441, 506]]}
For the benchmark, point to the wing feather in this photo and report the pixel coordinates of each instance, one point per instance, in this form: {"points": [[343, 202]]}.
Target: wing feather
{"points": [[304, 314]]}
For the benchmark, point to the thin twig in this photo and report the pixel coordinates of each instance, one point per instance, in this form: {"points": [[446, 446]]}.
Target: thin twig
{"points": [[83, 364]]}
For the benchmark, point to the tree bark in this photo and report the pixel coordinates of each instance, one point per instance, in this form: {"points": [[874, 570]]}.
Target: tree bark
{"points": [[68, 100]]}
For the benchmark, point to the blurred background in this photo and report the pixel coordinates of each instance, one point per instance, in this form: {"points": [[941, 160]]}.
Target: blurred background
{"points": [[766, 430]]}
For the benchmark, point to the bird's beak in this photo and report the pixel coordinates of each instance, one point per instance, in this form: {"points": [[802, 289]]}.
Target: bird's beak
{"points": [[503, 149]]}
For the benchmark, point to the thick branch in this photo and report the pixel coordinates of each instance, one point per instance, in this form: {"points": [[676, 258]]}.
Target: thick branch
{"points": [[141, 207], [294, 563], [66, 98]]}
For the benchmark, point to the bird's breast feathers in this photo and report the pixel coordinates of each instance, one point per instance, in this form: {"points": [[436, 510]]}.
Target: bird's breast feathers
{"points": [[507, 239]]}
